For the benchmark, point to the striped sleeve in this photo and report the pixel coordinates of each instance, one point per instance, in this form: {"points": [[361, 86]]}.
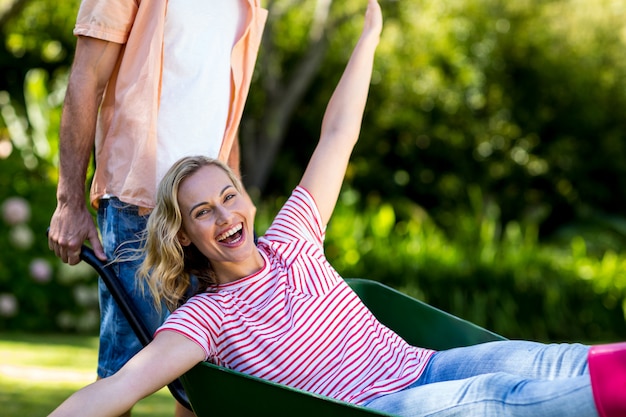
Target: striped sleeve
{"points": [[199, 319], [299, 219]]}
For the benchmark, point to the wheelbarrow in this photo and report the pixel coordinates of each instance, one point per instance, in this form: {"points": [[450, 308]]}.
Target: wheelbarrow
{"points": [[211, 390]]}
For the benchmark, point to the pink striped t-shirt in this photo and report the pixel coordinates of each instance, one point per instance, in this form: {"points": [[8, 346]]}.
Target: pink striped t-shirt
{"points": [[297, 322]]}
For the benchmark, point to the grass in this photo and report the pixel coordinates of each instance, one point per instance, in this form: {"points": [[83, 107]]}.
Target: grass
{"points": [[37, 372]]}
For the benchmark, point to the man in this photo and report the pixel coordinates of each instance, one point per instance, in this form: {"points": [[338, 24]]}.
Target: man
{"points": [[151, 81]]}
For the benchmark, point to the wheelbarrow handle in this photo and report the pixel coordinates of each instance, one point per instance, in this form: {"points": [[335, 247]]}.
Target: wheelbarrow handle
{"points": [[112, 281]]}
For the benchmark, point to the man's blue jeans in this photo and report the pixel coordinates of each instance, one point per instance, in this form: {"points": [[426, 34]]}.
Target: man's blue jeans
{"points": [[121, 228], [508, 378]]}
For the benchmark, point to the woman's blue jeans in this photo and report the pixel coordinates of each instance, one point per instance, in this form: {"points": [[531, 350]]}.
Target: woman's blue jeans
{"points": [[508, 378]]}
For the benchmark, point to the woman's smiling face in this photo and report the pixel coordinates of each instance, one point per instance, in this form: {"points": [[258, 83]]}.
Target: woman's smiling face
{"points": [[219, 220]]}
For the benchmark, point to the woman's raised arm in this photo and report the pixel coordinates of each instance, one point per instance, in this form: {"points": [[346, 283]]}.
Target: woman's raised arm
{"points": [[342, 120]]}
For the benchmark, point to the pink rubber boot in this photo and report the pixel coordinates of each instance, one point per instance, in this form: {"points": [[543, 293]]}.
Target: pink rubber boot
{"points": [[607, 368]]}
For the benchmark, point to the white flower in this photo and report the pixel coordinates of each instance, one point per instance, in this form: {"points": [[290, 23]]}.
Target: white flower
{"points": [[8, 305], [85, 295], [66, 320], [15, 210], [40, 270], [22, 237]]}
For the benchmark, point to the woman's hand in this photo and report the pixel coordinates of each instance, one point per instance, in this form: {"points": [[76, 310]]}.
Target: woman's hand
{"points": [[373, 19]]}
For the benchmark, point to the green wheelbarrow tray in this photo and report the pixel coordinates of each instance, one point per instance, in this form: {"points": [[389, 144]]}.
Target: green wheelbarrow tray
{"points": [[211, 390]]}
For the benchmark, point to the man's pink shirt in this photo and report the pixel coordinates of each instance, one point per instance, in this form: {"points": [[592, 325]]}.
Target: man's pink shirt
{"points": [[126, 145]]}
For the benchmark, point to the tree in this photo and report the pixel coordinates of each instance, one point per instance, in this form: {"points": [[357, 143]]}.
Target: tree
{"points": [[10, 9], [294, 46]]}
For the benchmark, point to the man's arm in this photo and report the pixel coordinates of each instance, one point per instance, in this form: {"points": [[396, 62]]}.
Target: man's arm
{"points": [[71, 223]]}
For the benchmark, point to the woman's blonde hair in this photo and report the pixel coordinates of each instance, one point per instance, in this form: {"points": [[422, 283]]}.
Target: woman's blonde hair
{"points": [[168, 266]]}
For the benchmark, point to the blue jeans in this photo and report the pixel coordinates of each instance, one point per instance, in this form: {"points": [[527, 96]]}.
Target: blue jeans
{"points": [[121, 227], [508, 378]]}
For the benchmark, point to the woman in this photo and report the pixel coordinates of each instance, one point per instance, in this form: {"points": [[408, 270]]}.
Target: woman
{"points": [[278, 310]]}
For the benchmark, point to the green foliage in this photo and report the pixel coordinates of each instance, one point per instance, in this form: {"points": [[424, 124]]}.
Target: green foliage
{"points": [[523, 98], [495, 274], [37, 291], [40, 37]]}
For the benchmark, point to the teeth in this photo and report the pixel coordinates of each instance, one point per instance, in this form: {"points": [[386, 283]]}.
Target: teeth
{"points": [[230, 232]]}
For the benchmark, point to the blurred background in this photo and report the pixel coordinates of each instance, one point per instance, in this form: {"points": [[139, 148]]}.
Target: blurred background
{"points": [[489, 180]]}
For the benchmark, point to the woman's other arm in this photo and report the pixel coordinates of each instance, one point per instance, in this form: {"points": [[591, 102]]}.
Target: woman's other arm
{"points": [[342, 120], [166, 358]]}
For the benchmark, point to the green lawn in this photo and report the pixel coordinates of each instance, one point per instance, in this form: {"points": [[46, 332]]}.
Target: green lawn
{"points": [[37, 372]]}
